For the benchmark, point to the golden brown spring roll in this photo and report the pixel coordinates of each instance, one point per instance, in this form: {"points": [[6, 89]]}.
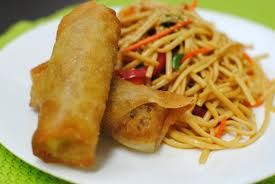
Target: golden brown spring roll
{"points": [[74, 86], [139, 117]]}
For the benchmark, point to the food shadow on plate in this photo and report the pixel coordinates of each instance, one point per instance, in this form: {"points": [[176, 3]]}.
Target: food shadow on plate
{"points": [[107, 146]]}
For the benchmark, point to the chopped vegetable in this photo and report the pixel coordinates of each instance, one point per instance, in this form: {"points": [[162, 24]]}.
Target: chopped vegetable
{"points": [[248, 58], [250, 72], [199, 111], [129, 11], [221, 128], [151, 31], [157, 36], [131, 73], [191, 83], [138, 75], [168, 24], [162, 61], [138, 80], [141, 65], [176, 61], [196, 52], [192, 6], [258, 103]]}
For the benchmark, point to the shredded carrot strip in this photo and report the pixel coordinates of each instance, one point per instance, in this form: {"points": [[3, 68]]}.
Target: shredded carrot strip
{"points": [[196, 52], [157, 36], [258, 103], [193, 6], [129, 11], [221, 128], [248, 58]]}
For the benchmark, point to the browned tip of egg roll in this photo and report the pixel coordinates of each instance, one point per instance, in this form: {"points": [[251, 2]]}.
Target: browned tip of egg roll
{"points": [[73, 88], [70, 141], [139, 117], [36, 90]]}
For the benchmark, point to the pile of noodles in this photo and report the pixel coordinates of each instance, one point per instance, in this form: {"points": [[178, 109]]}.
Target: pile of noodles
{"points": [[174, 49]]}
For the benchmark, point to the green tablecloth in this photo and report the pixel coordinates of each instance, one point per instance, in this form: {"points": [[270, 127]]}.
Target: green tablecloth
{"points": [[13, 170]]}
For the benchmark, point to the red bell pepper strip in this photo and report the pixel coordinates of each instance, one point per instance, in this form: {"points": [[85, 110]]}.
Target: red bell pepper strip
{"points": [[136, 76], [161, 66], [132, 73], [137, 80]]}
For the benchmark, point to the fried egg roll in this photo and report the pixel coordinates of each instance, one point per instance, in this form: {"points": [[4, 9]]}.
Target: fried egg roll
{"points": [[139, 117], [73, 89]]}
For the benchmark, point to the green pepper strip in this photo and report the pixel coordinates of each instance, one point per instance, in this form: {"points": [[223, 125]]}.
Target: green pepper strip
{"points": [[176, 61]]}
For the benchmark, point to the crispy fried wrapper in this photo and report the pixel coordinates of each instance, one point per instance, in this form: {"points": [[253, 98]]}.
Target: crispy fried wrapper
{"points": [[37, 75], [71, 90], [139, 117]]}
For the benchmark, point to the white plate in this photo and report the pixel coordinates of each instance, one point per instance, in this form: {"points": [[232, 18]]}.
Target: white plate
{"points": [[116, 164]]}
